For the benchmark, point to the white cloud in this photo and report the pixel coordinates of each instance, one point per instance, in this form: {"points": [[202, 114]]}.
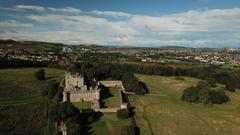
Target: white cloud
{"points": [[14, 25], [193, 28], [30, 7], [65, 10], [110, 13]]}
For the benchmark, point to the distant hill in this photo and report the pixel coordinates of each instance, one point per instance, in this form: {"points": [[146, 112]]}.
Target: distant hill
{"points": [[29, 45], [173, 47]]}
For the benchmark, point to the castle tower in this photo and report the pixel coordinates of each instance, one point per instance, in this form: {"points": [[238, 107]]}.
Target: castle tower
{"points": [[73, 81]]}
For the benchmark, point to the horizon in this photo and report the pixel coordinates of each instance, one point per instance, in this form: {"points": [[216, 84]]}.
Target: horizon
{"points": [[155, 24]]}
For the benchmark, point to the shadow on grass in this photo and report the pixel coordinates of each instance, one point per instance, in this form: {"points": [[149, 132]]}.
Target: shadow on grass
{"points": [[51, 77], [87, 118], [131, 111], [144, 86], [104, 94]]}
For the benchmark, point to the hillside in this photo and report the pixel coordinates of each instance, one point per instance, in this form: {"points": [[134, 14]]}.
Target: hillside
{"points": [[29, 45], [22, 108], [162, 111]]}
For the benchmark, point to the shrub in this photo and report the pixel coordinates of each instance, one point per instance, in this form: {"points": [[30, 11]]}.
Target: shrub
{"points": [[131, 84], [212, 82], [203, 94], [230, 87], [190, 94], [218, 97], [127, 130], [203, 84], [40, 74], [123, 113]]}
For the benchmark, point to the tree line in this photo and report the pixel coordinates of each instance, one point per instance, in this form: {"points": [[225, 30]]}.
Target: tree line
{"points": [[212, 74]]}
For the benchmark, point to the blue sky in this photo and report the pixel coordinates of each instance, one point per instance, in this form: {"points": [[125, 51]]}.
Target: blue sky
{"points": [[149, 23]]}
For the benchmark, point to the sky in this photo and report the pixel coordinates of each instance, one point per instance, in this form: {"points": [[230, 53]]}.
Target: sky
{"points": [[141, 23]]}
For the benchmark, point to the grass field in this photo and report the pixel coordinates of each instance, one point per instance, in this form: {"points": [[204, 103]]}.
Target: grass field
{"points": [[114, 100], [82, 105], [22, 109], [109, 124], [19, 86], [161, 112]]}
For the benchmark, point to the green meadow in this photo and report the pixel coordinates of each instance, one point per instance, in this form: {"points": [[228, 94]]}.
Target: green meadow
{"points": [[22, 108], [114, 100], [109, 124], [161, 112]]}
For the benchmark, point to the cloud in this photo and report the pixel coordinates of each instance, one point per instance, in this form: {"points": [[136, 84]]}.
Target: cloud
{"points": [[214, 27], [65, 10], [110, 13], [30, 7], [14, 25]]}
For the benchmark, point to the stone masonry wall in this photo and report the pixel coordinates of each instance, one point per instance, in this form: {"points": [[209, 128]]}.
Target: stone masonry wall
{"points": [[84, 96], [73, 81], [114, 83]]}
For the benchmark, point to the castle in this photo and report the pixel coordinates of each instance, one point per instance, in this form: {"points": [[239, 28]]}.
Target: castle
{"points": [[75, 89]]}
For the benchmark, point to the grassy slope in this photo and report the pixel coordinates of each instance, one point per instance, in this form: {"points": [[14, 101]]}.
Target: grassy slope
{"points": [[22, 109], [162, 111], [113, 101], [109, 124], [19, 86]]}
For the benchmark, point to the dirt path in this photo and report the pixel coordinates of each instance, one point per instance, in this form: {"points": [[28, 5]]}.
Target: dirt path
{"points": [[207, 123], [146, 117], [110, 128]]}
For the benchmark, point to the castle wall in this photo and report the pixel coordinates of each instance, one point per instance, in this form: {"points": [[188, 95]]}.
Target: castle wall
{"points": [[114, 83], [84, 96]]}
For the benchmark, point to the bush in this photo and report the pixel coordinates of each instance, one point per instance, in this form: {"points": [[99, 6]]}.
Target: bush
{"points": [[123, 113], [127, 130], [190, 94], [230, 87], [203, 84], [203, 94], [218, 97], [212, 82], [131, 84], [40, 74]]}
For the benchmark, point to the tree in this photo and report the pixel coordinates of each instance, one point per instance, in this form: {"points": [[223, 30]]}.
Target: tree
{"points": [[230, 87], [204, 95], [190, 94], [40, 74], [131, 84], [203, 84], [218, 97], [212, 82]]}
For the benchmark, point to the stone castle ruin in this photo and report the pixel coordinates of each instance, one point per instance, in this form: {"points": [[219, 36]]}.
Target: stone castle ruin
{"points": [[76, 90]]}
